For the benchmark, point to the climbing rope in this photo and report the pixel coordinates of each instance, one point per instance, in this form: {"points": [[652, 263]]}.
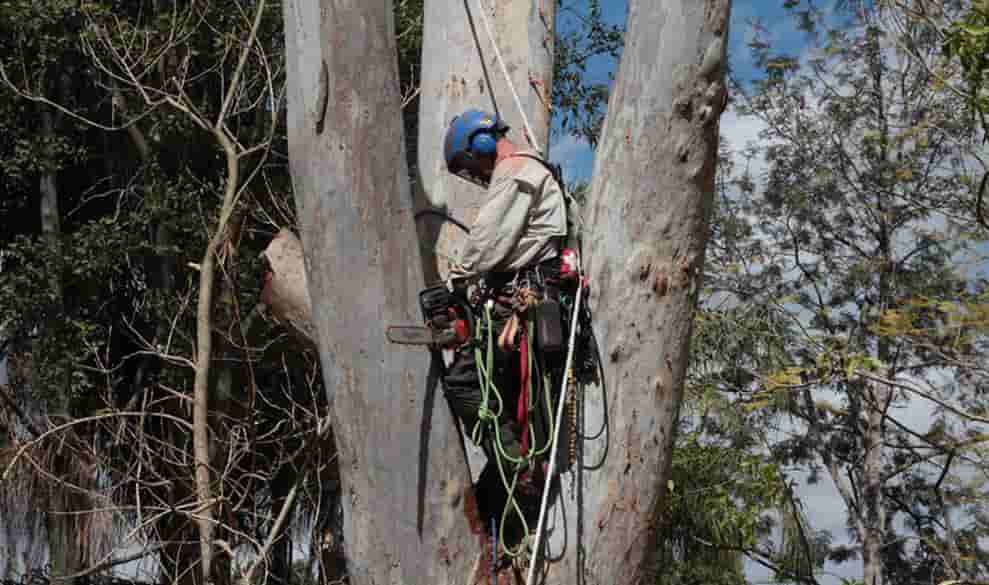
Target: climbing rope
{"points": [[489, 419], [531, 136], [564, 384]]}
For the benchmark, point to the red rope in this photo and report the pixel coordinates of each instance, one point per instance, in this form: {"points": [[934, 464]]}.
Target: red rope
{"points": [[522, 411]]}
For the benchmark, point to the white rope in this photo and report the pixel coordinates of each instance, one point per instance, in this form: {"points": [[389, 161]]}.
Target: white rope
{"points": [[556, 431], [508, 79]]}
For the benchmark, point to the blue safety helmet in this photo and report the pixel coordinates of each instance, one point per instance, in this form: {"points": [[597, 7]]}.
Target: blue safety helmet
{"points": [[471, 135]]}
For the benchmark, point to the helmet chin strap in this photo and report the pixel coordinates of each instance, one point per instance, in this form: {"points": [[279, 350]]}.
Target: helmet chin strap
{"points": [[472, 178], [471, 171]]}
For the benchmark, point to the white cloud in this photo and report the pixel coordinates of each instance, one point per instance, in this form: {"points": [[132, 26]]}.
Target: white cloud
{"points": [[567, 147], [740, 131], [576, 157]]}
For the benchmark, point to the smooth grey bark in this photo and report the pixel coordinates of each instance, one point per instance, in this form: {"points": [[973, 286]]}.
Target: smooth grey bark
{"points": [[455, 78], [647, 228], [352, 192]]}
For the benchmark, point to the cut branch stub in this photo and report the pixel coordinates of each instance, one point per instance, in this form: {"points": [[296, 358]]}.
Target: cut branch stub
{"points": [[286, 289]]}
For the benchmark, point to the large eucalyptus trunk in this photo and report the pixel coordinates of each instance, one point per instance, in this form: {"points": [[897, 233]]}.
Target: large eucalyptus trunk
{"points": [[648, 222], [364, 271], [459, 70]]}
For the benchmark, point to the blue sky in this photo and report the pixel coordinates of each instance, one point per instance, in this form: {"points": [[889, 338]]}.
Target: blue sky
{"points": [[777, 23]]}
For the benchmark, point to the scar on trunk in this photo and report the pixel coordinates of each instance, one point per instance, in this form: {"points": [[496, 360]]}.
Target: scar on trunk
{"points": [[322, 97]]}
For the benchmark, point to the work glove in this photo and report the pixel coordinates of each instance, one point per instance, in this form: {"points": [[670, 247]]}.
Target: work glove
{"points": [[456, 278]]}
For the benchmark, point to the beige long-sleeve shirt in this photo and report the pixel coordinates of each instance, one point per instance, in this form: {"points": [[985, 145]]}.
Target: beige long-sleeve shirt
{"points": [[520, 222]]}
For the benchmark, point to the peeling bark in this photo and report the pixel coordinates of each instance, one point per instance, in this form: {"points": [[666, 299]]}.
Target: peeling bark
{"points": [[286, 287]]}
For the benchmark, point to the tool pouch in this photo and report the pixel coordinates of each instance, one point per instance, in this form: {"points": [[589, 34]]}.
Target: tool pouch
{"points": [[549, 327]]}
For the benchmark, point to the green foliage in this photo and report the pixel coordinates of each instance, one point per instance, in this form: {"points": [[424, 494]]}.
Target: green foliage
{"points": [[409, 26], [585, 39], [852, 259], [106, 308], [967, 39], [719, 503]]}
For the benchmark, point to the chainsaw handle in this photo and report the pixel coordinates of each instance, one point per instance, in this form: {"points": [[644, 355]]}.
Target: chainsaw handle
{"points": [[465, 307]]}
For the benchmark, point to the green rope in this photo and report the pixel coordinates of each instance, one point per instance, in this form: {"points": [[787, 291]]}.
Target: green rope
{"points": [[484, 358]]}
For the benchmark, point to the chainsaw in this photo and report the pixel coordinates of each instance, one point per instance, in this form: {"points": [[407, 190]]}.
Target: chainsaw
{"points": [[449, 323]]}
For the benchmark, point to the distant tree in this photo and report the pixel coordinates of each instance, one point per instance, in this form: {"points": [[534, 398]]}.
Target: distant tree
{"points": [[860, 234], [116, 116]]}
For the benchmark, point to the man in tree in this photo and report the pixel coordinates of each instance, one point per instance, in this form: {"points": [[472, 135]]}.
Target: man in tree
{"points": [[514, 251]]}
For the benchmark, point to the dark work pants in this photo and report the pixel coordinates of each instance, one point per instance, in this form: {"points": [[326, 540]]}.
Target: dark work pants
{"points": [[462, 385]]}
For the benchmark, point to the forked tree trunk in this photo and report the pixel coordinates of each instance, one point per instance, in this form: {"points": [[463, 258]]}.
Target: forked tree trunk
{"points": [[455, 78], [353, 198], [649, 213], [648, 217]]}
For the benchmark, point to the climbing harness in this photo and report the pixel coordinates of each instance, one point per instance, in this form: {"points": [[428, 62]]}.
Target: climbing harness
{"points": [[565, 383], [489, 419]]}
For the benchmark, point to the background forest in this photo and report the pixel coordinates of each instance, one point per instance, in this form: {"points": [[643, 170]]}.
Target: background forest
{"points": [[836, 417]]}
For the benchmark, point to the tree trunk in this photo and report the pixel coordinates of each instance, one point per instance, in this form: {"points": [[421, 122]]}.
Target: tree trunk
{"points": [[352, 193], [874, 519], [280, 570], [66, 541], [51, 223], [454, 78], [648, 223]]}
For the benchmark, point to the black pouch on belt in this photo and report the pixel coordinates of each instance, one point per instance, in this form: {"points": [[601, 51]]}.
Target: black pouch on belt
{"points": [[549, 328]]}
